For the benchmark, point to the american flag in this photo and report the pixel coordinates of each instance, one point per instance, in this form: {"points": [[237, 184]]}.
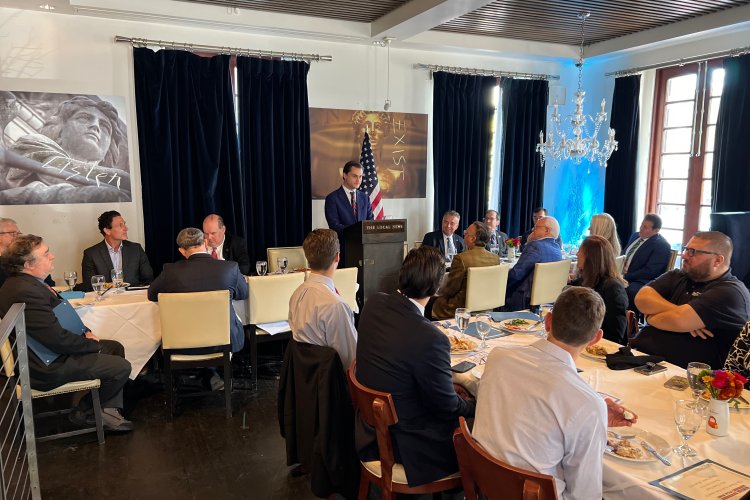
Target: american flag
{"points": [[370, 180]]}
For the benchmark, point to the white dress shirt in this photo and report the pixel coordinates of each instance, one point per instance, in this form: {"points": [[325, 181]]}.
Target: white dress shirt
{"points": [[318, 315], [535, 412], [115, 256], [219, 250]]}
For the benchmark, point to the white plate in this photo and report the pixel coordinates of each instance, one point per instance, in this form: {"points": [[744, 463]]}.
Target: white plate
{"points": [[508, 327], [659, 443], [78, 303]]}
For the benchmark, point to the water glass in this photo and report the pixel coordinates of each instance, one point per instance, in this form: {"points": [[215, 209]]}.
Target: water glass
{"points": [[495, 248], [449, 254], [283, 262], [70, 278], [696, 384], [261, 267], [117, 279], [98, 284], [689, 416], [462, 318], [483, 328]]}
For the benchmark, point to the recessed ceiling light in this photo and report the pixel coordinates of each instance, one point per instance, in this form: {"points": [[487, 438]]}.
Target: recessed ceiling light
{"points": [[47, 6]]}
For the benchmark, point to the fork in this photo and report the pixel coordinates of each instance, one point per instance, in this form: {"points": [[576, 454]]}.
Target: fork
{"points": [[617, 435]]}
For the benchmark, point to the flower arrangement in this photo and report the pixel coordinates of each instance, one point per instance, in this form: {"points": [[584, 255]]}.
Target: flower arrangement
{"points": [[723, 385], [513, 242]]}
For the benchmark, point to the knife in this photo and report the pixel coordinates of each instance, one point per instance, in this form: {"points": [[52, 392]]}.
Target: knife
{"points": [[655, 453]]}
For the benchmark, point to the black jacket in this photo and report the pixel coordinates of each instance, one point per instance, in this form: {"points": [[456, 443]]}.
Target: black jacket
{"points": [[136, 269], [235, 248], [437, 239]]}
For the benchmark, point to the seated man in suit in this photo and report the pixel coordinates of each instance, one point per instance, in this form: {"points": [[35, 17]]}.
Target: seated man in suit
{"points": [[696, 313], [646, 256], [497, 238], [115, 252], [8, 233], [537, 214], [199, 272], [566, 435], [81, 357], [223, 245], [402, 352], [541, 247], [317, 313], [453, 292], [446, 238]]}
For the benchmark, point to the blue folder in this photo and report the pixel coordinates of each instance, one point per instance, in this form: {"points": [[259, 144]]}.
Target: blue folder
{"points": [[69, 320]]}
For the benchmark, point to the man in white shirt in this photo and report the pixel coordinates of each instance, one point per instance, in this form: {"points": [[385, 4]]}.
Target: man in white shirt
{"points": [[550, 420], [317, 313]]}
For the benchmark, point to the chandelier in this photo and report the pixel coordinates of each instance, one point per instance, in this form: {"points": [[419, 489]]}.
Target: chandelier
{"points": [[581, 145]]}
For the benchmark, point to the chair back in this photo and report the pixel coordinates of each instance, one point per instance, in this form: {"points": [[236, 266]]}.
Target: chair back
{"points": [[620, 263], [672, 259], [295, 258], [269, 297], [6, 352], [485, 287], [631, 328], [548, 281], [417, 244], [346, 283], [194, 319], [484, 476]]}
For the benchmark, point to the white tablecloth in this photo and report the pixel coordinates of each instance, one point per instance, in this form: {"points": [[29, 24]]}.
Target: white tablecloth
{"points": [[647, 397]]}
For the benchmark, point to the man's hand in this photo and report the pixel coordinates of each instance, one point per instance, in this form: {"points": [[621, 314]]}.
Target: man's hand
{"points": [[90, 335], [703, 333], [462, 392], [618, 416]]}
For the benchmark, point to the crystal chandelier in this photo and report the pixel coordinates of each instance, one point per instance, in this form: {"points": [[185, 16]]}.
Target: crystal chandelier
{"points": [[581, 145]]}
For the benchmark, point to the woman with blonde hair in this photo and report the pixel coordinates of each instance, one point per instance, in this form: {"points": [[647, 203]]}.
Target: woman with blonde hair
{"points": [[604, 225]]}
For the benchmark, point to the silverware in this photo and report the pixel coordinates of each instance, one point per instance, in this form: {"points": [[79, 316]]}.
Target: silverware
{"points": [[617, 435], [655, 453]]}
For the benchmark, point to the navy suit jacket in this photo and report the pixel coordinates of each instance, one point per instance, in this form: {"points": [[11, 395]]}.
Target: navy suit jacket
{"points": [[338, 210], [518, 293], [136, 269], [649, 261], [235, 248], [202, 273], [437, 239]]}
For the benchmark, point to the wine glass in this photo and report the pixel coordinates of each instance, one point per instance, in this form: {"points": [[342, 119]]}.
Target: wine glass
{"points": [[483, 328], [688, 415], [70, 278], [117, 279], [449, 255], [462, 318], [98, 284], [282, 262], [694, 369], [261, 267]]}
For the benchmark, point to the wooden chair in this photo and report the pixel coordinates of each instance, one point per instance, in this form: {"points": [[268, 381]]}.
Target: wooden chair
{"points": [[346, 283], [548, 281], [485, 477], [631, 328], [485, 287], [195, 320], [295, 258], [378, 411], [672, 259], [80, 385], [620, 263]]}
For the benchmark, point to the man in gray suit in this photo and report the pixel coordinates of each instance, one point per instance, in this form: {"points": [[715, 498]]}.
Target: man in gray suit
{"points": [[115, 252]]}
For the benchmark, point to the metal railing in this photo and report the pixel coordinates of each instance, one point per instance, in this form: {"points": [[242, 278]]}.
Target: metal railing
{"points": [[19, 474]]}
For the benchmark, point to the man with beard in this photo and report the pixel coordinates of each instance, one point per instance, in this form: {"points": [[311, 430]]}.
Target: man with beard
{"points": [[694, 314]]}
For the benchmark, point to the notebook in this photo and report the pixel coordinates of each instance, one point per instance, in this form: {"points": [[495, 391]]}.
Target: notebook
{"points": [[69, 320]]}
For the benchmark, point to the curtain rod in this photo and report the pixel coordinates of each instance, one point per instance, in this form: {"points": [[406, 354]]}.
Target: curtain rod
{"points": [[681, 62], [192, 47], [485, 72]]}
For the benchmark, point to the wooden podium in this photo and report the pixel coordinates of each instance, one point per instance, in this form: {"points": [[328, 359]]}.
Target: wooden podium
{"points": [[376, 249]]}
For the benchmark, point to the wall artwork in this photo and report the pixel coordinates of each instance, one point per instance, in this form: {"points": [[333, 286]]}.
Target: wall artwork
{"points": [[62, 149], [399, 145]]}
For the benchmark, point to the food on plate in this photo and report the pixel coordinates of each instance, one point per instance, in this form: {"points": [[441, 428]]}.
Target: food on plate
{"points": [[112, 285], [596, 350], [625, 448], [461, 344], [519, 324]]}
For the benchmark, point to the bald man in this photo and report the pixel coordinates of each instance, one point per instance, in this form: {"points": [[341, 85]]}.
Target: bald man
{"points": [[223, 245]]}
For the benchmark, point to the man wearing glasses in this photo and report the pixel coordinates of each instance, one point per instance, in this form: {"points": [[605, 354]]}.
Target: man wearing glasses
{"points": [[8, 233], [694, 314]]}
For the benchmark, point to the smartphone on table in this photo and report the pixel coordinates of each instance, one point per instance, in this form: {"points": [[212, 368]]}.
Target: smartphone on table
{"points": [[650, 368]]}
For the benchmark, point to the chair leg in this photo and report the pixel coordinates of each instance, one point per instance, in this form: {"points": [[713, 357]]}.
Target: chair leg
{"points": [[253, 356], [228, 384], [364, 486], [169, 386], [98, 415]]}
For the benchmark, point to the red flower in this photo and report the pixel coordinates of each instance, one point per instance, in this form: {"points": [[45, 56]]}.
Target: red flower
{"points": [[740, 379], [721, 379]]}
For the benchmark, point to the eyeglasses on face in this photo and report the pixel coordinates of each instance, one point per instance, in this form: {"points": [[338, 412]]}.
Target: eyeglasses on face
{"points": [[14, 233], [690, 252]]}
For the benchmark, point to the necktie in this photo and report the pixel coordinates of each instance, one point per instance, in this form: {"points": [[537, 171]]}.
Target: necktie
{"points": [[213, 254], [354, 205], [630, 253], [450, 246]]}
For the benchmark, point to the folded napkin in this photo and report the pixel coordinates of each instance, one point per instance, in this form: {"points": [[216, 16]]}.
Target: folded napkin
{"points": [[624, 359], [72, 295]]}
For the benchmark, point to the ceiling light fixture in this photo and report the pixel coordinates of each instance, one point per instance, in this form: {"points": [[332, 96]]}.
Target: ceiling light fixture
{"points": [[581, 145], [387, 105]]}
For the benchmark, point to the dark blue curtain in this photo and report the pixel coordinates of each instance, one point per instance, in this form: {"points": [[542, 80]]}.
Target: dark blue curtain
{"points": [[620, 176], [522, 185], [731, 168], [275, 150], [188, 146], [462, 114]]}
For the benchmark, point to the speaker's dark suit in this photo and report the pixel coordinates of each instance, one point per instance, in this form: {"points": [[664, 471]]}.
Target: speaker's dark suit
{"points": [[235, 248], [202, 273], [402, 352], [339, 213], [648, 263], [437, 239], [136, 269]]}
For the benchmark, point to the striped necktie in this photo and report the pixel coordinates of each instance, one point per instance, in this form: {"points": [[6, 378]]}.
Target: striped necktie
{"points": [[629, 255], [354, 205]]}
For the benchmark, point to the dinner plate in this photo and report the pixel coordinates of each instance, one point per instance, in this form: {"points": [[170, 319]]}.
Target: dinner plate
{"points": [[660, 444], [595, 357], [78, 303], [530, 326]]}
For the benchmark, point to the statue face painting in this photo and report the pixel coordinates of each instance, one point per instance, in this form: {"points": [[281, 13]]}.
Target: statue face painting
{"points": [[86, 135], [376, 128]]}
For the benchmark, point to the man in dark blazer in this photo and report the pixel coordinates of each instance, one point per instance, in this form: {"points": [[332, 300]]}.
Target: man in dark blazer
{"points": [[340, 205], [646, 256], [28, 261], [541, 247], [403, 353], [440, 238], [497, 238], [222, 245], [115, 252]]}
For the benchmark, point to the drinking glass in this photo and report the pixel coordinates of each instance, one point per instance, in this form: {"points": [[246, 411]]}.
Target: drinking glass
{"points": [[483, 328], [117, 280], [70, 278], [282, 262], [689, 416], [696, 384], [495, 248], [97, 283], [261, 267], [462, 318], [449, 255]]}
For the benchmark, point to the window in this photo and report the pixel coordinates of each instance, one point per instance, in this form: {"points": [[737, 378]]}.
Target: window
{"points": [[685, 113]]}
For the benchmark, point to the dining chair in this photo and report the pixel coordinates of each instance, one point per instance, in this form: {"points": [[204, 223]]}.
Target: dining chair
{"points": [[631, 325], [620, 263], [378, 411], [484, 476], [548, 281], [200, 321], [295, 258], [8, 360], [346, 283], [485, 287], [672, 259], [417, 244]]}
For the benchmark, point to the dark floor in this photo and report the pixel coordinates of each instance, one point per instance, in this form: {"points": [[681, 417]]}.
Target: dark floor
{"points": [[201, 454]]}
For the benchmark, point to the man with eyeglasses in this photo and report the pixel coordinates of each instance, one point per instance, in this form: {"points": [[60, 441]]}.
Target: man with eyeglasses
{"points": [[537, 214], [694, 314], [497, 237], [8, 233], [646, 254]]}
